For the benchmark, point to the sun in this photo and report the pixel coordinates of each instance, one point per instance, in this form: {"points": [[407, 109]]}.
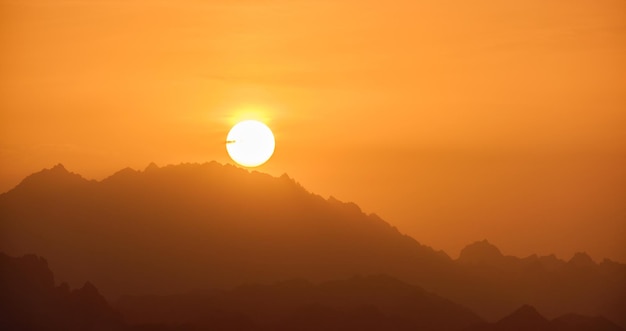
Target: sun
{"points": [[250, 143]]}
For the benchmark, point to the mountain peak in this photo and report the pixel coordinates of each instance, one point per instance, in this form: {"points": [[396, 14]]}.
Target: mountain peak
{"points": [[59, 168], [53, 179], [29, 268], [480, 252], [151, 167], [90, 296], [526, 311], [525, 317], [581, 259], [30, 301], [218, 203]]}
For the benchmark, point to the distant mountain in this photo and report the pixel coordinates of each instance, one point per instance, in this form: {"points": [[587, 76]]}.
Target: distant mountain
{"points": [[172, 229], [481, 253], [359, 303], [29, 300], [523, 319], [576, 322], [553, 285], [526, 318]]}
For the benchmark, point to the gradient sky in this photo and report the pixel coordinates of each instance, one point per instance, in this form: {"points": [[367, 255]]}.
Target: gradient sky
{"points": [[453, 120]]}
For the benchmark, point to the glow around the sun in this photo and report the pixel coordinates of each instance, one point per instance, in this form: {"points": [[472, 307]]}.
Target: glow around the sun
{"points": [[250, 143]]}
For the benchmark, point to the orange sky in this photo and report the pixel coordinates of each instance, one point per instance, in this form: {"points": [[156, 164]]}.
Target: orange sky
{"points": [[453, 120]]}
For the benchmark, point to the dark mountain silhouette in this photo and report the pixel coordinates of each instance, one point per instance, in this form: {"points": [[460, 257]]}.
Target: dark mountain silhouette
{"points": [[359, 303], [180, 227], [526, 318], [480, 253], [581, 260], [177, 228], [556, 286], [523, 319], [576, 322], [29, 300]]}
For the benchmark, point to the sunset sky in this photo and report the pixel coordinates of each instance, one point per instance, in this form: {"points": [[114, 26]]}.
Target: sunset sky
{"points": [[453, 120]]}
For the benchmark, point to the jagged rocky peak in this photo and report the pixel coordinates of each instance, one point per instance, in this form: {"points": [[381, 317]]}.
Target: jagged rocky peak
{"points": [[581, 259], [52, 179], [290, 181], [121, 175], [349, 207], [28, 269], [525, 317], [480, 252], [32, 302], [89, 295], [58, 168], [151, 167]]}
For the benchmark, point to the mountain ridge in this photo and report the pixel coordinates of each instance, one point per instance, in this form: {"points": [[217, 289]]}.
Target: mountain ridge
{"points": [[374, 298], [30, 300], [172, 227], [527, 318]]}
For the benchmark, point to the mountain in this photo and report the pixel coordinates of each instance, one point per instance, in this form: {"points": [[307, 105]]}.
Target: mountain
{"points": [[359, 303], [527, 318], [576, 322], [176, 228], [29, 300], [523, 319], [172, 229], [480, 253], [553, 285]]}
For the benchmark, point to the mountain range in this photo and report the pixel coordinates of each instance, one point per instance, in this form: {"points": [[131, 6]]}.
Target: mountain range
{"points": [[170, 230], [29, 300]]}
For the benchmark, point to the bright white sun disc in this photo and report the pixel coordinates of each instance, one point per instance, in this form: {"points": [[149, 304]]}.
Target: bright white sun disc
{"points": [[250, 143]]}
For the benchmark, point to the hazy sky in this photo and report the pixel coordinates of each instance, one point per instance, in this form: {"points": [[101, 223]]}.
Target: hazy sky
{"points": [[453, 120]]}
